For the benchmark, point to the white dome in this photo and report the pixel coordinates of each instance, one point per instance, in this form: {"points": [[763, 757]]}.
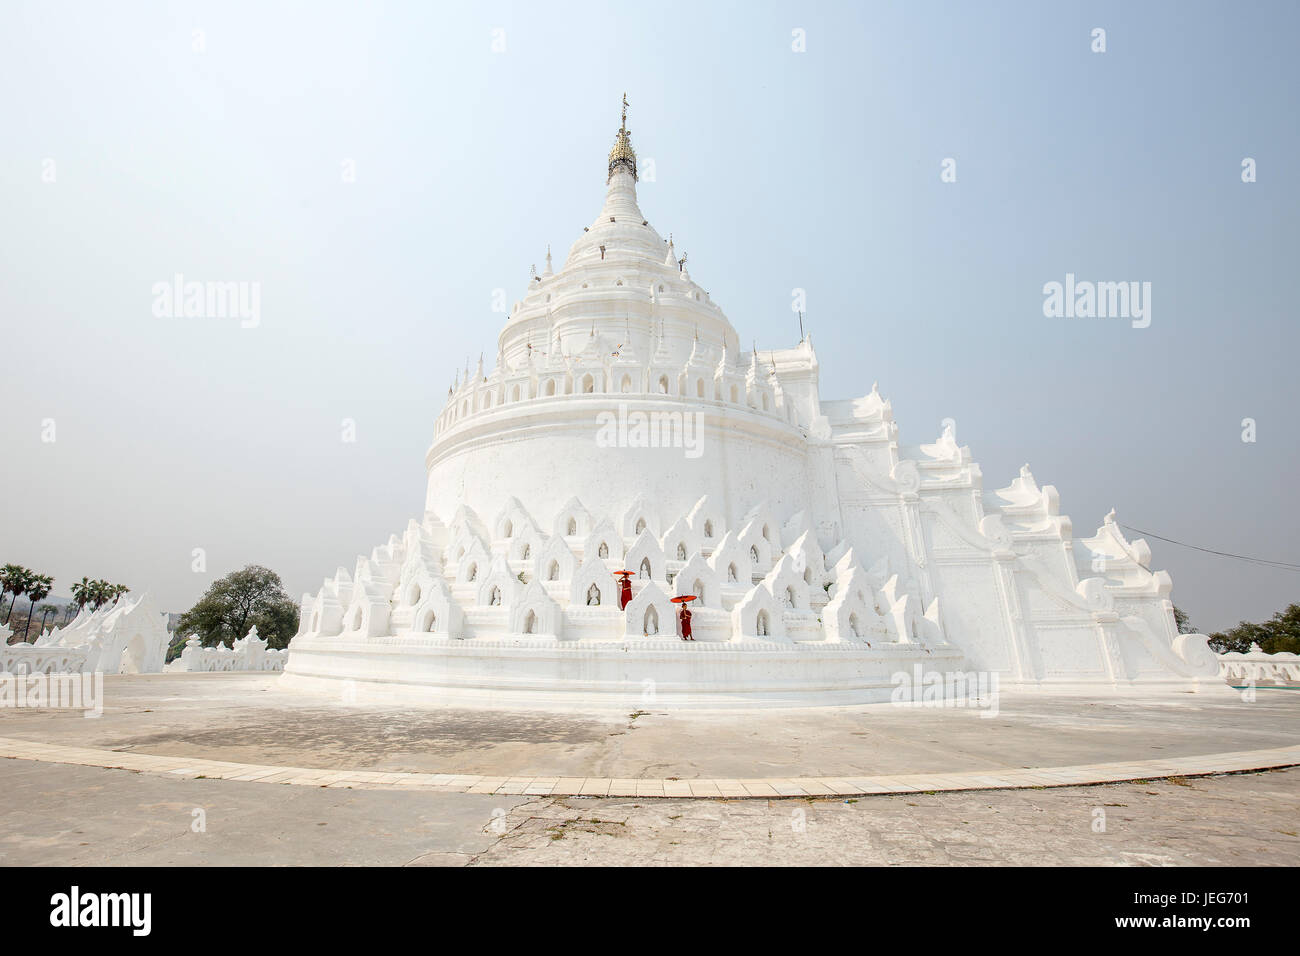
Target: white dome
{"points": [[621, 427]]}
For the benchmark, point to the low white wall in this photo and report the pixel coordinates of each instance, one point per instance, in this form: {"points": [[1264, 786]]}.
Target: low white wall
{"points": [[249, 653], [1259, 668]]}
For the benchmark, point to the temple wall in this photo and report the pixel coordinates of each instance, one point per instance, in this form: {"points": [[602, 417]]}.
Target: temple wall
{"points": [[825, 556], [545, 453]]}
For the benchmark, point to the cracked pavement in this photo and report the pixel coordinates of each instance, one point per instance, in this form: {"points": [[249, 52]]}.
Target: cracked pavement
{"points": [[247, 718], [63, 814], [58, 814]]}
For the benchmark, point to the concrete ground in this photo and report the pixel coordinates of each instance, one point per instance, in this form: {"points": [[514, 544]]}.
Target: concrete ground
{"points": [[56, 814], [245, 718], [60, 813]]}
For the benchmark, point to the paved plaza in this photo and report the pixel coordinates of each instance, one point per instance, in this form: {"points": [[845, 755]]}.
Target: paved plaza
{"points": [[62, 815], [247, 718], [163, 777]]}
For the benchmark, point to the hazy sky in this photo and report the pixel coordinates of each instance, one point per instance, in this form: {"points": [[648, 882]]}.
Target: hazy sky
{"points": [[143, 140]]}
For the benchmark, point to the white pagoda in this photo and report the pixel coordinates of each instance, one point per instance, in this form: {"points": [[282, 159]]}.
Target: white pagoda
{"points": [[624, 427]]}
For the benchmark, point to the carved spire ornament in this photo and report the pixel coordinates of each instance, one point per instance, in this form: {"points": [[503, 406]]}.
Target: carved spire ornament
{"points": [[622, 155]]}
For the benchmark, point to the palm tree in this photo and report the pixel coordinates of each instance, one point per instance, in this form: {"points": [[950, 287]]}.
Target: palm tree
{"points": [[38, 589], [99, 593], [96, 593], [13, 580], [46, 611], [81, 593]]}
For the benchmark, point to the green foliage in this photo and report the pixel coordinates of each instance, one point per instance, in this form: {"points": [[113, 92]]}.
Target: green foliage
{"points": [[38, 589], [177, 645], [15, 579], [18, 580], [1280, 634], [81, 592], [240, 600], [96, 593]]}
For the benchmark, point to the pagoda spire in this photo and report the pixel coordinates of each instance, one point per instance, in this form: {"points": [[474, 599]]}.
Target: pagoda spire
{"points": [[622, 156]]}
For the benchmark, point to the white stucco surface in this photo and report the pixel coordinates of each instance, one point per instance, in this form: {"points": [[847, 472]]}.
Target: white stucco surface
{"points": [[622, 426], [128, 636]]}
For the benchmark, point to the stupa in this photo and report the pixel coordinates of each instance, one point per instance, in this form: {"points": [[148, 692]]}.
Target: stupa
{"points": [[624, 427]]}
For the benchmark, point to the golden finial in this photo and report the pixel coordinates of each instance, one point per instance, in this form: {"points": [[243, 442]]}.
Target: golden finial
{"points": [[623, 154]]}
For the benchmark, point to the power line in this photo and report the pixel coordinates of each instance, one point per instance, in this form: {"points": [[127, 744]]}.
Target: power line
{"points": [[1263, 562]]}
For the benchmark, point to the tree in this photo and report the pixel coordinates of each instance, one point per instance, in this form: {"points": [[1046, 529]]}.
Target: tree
{"points": [[96, 593], [177, 645], [46, 610], [81, 593], [101, 593], [38, 589], [233, 604], [14, 579], [1280, 634]]}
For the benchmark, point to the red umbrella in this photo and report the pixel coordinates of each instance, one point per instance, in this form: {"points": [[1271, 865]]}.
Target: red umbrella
{"points": [[683, 598]]}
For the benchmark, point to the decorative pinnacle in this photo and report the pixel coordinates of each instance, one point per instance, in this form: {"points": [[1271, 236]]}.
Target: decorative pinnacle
{"points": [[622, 154]]}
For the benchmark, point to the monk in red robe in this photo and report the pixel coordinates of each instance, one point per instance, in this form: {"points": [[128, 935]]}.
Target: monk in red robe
{"points": [[685, 618], [624, 590]]}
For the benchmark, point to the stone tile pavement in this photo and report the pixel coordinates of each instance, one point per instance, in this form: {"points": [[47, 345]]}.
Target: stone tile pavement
{"points": [[1233, 761], [1239, 820], [69, 814]]}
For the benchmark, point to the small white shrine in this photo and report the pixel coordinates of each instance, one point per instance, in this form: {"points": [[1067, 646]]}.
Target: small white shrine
{"points": [[127, 637], [622, 426]]}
